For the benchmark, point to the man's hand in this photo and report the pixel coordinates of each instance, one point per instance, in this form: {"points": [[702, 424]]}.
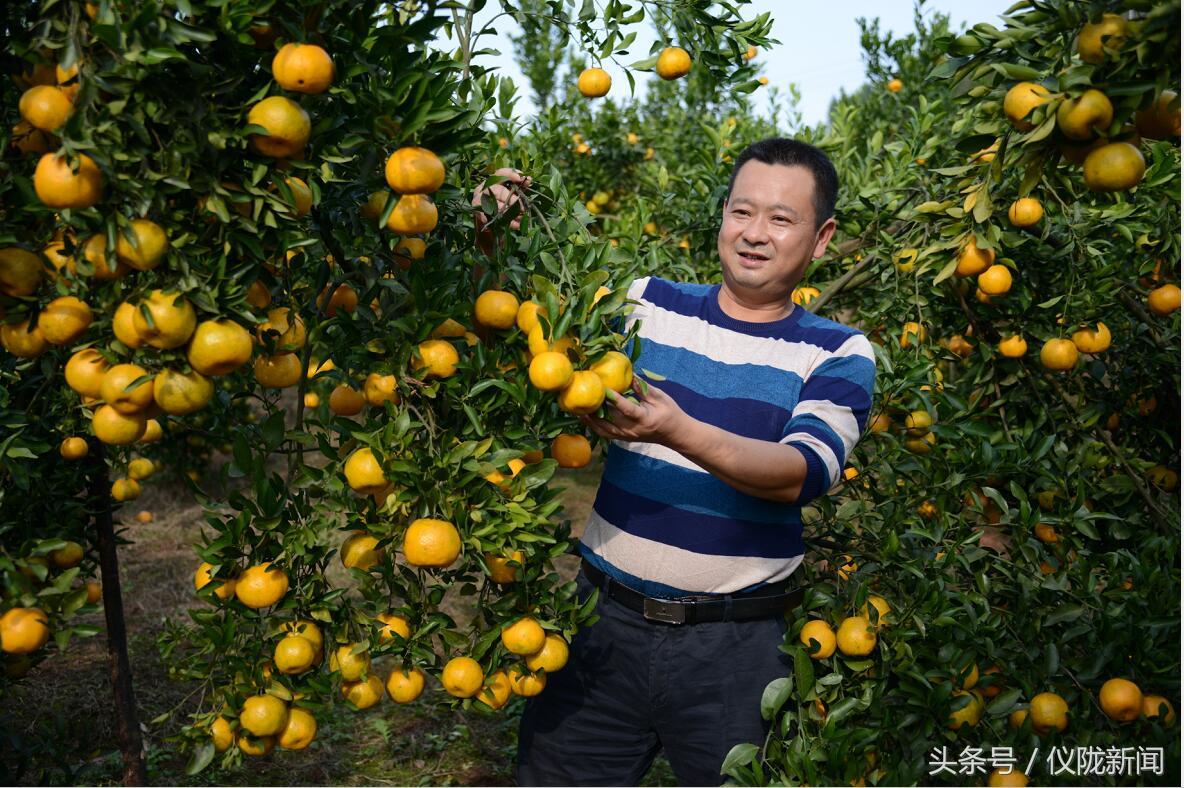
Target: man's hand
{"points": [[654, 418], [504, 195]]}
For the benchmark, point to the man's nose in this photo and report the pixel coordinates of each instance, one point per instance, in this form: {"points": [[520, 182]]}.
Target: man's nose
{"points": [[756, 231]]}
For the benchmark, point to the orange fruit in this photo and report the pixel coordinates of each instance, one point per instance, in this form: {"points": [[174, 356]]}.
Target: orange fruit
{"points": [[856, 637], [115, 428], [95, 253], [1121, 700], [1019, 102], [64, 320], [615, 371], [299, 731], [20, 271], [496, 309], [285, 327], [261, 586], [27, 139], [124, 327], [258, 295], [673, 63], [431, 543], [125, 490], [59, 185], [1048, 711], [221, 734], [1164, 299], [345, 400], [279, 371], [550, 371], [364, 473], [344, 297], [379, 389], [996, 280], [496, 691], [255, 746], [182, 393], [85, 371], [116, 388], [73, 448], [912, 333], [584, 393], [571, 451], [1152, 706], [45, 107], [594, 82], [1098, 39], [524, 636], [1007, 778], [526, 685], [294, 655], [301, 203], [22, 341], [173, 320], [23, 630], [1086, 116], [393, 624], [414, 214], [972, 259], [500, 570], [1025, 212], [1059, 354], [360, 551], [462, 677], [821, 632], [895, 86], [350, 664], [1013, 347], [219, 347], [263, 715], [413, 170], [551, 657], [287, 127], [147, 246], [437, 358], [1114, 167], [141, 468], [804, 295], [1046, 533], [302, 68], [405, 685], [968, 715], [1161, 120], [1089, 340]]}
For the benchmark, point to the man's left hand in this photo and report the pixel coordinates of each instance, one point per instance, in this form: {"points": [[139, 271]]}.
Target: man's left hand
{"points": [[654, 418]]}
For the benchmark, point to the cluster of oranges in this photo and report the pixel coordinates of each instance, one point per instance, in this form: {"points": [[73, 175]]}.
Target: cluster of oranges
{"points": [[672, 63]]}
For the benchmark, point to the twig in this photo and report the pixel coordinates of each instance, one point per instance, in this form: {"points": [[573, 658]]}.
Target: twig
{"points": [[1138, 311], [839, 284]]}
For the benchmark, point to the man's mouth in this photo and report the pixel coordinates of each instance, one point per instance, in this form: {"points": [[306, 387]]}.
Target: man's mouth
{"points": [[753, 257]]}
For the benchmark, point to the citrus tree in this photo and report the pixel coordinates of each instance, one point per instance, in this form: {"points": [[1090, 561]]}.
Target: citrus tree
{"points": [[249, 229]]}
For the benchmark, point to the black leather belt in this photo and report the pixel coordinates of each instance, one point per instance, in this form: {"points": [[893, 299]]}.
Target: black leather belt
{"points": [[774, 600]]}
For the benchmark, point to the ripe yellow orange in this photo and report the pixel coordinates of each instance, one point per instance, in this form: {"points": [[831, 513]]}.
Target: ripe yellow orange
{"points": [[895, 86], [364, 473], [804, 295], [1046, 533], [263, 715], [280, 371], [360, 551], [615, 371], [1085, 116], [219, 347], [1013, 347], [500, 570], [144, 516], [22, 341], [64, 320], [1089, 340], [95, 253], [584, 393], [414, 170], [571, 451], [115, 428], [1164, 299], [973, 259], [59, 185], [1011, 777], [45, 107], [1059, 354], [124, 327], [55, 253], [1153, 705], [996, 280], [182, 393], [255, 746], [258, 295], [85, 371], [118, 392], [302, 68], [496, 691], [551, 657], [550, 371], [524, 636], [437, 358], [20, 271], [882, 609], [221, 734], [352, 665], [414, 214], [29, 140], [1048, 712], [1025, 212], [1098, 39], [408, 249], [173, 320], [393, 624], [856, 636], [496, 309], [285, 327], [969, 715], [125, 490], [146, 247], [379, 389], [261, 586], [462, 677], [526, 685], [673, 63], [309, 631], [343, 298], [1163, 477], [405, 685], [1121, 700], [1019, 102], [594, 82], [141, 468], [73, 448], [345, 400], [299, 731], [23, 630], [1114, 167], [821, 632], [750, 53], [301, 202], [286, 127], [1161, 120], [431, 543], [918, 423], [294, 655], [912, 333]]}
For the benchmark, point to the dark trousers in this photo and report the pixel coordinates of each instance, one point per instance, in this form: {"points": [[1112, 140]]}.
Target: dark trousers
{"points": [[633, 687]]}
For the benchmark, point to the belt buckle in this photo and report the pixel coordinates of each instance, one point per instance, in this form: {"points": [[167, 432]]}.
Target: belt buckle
{"points": [[664, 612]]}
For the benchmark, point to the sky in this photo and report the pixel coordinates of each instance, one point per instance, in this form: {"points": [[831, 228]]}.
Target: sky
{"points": [[819, 49]]}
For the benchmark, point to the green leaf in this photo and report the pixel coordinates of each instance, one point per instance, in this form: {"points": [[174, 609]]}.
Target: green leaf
{"points": [[740, 755], [776, 693], [201, 758], [803, 670]]}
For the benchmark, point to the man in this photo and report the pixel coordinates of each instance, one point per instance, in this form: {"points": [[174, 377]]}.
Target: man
{"points": [[696, 529]]}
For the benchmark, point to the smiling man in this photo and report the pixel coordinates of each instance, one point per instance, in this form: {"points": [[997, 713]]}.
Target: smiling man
{"points": [[696, 533]]}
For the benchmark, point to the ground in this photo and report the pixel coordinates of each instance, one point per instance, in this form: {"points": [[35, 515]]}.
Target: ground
{"points": [[60, 718]]}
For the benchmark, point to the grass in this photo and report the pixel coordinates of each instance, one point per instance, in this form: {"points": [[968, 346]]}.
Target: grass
{"points": [[57, 727]]}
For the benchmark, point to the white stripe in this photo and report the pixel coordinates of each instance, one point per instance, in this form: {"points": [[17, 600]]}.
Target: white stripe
{"points": [[678, 568], [658, 452], [821, 449], [838, 417]]}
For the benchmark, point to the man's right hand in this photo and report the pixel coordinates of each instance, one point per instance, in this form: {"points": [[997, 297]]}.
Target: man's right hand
{"points": [[504, 195]]}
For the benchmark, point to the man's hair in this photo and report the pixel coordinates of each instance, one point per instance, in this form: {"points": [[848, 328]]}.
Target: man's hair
{"points": [[793, 153]]}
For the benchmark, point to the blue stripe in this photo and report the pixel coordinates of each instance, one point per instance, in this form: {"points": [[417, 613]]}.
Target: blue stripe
{"points": [[747, 418], [715, 378], [826, 334], [840, 391], [810, 424], [697, 532], [693, 491], [680, 297], [817, 479]]}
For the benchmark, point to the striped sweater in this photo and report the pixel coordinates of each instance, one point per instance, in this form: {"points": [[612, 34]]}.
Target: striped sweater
{"points": [[664, 526]]}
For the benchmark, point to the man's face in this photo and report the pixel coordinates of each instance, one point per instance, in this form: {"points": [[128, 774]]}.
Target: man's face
{"points": [[768, 236]]}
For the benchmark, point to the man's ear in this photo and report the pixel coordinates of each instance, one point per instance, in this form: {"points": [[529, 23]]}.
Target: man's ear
{"points": [[825, 233]]}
